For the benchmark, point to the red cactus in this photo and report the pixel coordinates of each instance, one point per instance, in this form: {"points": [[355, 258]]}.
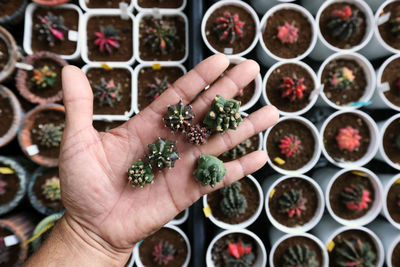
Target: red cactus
{"points": [[3, 185], [229, 27], [292, 202], [290, 145], [238, 249], [293, 88], [163, 253], [107, 39], [348, 138], [356, 197], [344, 13], [288, 33]]}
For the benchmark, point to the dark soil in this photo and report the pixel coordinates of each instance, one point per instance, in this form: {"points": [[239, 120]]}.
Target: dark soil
{"points": [[120, 76], [124, 28], [274, 90], [287, 128], [180, 215], [225, 157], [396, 256], [389, 140], [336, 200], [249, 191], [4, 55], [309, 193], [160, 4], [393, 197], [286, 50], [11, 188], [8, 8], [332, 130], [354, 92], [12, 252], [385, 28], [354, 39], [105, 3], [249, 30], [6, 114], [391, 75], [71, 21], [38, 190], [105, 126], [167, 235]]}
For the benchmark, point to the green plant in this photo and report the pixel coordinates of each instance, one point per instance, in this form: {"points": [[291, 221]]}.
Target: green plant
{"points": [[51, 189], [157, 87], [107, 92], [300, 256], [161, 37], [233, 203], [342, 78], [51, 29], [223, 115], [140, 174], [356, 197], [163, 253], [229, 27], [344, 23], [355, 253], [50, 135], [292, 203], [239, 150], [238, 255], [196, 134], [178, 116], [44, 77], [209, 171], [163, 153], [107, 39]]}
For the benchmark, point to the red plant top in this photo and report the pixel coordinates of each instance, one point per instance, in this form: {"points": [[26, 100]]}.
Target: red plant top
{"points": [[163, 253], [359, 202], [293, 88], [344, 13], [290, 145], [107, 39], [288, 33], [52, 28], [229, 27], [238, 250], [348, 138]]}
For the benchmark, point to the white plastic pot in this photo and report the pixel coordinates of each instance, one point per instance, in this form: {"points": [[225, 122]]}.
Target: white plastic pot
{"points": [[84, 6], [136, 255], [28, 32], [326, 177], [388, 181], [313, 100], [261, 259], [267, 58], [262, 6], [102, 12], [373, 146], [140, 9], [238, 3], [323, 49], [181, 220], [381, 155], [370, 76], [159, 13], [109, 117], [317, 147]]}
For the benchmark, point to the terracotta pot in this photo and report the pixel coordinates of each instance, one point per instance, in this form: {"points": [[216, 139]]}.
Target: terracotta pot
{"points": [[21, 77], [50, 2], [18, 114], [12, 51], [17, 16]]}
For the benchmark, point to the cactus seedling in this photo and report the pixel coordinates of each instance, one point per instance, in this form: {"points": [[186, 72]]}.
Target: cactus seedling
{"points": [[196, 134], [238, 151], [161, 37], [229, 27], [44, 77], [158, 87], [293, 88], [107, 92], [51, 189], [239, 254], [355, 253], [223, 115], [300, 256], [233, 203], [50, 135], [292, 203], [107, 39], [348, 138], [356, 197], [163, 253], [4, 252], [290, 145], [342, 78], [209, 171], [344, 23], [140, 174], [178, 116], [3, 186], [51, 29], [288, 33], [163, 153]]}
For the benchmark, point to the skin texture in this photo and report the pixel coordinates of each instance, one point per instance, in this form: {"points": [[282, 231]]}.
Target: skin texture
{"points": [[105, 216]]}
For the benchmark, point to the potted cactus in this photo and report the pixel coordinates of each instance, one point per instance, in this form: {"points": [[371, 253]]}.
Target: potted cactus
{"points": [[11, 114], [8, 54], [391, 198], [43, 229], [143, 5], [12, 12]]}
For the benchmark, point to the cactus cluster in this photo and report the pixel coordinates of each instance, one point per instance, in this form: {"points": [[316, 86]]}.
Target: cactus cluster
{"points": [[163, 153], [233, 203], [290, 145], [50, 135], [344, 23], [356, 197], [292, 203], [107, 93], [51, 189], [44, 77], [209, 171], [3, 186], [288, 33], [238, 254], [4, 251], [238, 151], [156, 88], [353, 252], [196, 134], [395, 25], [300, 256], [161, 37], [342, 78], [229, 28], [140, 174], [163, 253], [51, 29], [178, 116], [107, 39], [348, 138], [293, 87]]}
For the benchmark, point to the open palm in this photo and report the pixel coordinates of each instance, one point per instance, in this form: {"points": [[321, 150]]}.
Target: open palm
{"points": [[93, 166]]}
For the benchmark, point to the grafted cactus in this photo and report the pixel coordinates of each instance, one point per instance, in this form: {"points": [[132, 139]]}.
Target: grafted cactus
{"points": [[178, 116], [239, 254], [163, 153], [233, 203], [356, 197], [50, 135], [51, 189], [290, 145], [239, 150], [223, 115], [288, 33], [293, 87], [196, 134], [209, 171], [342, 78], [300, 256], [163, 253], [156, 88], [348, 138], [161, 37], [344, 23], [107, 39], [229, 27], [107, 93], [51, 29], [292, 203], [140, 174], [3, 187], [355, 253], [44, 77]]}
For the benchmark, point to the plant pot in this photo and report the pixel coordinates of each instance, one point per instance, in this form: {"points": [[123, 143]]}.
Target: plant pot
{"points": [[324, 48], [91, 23], [249, 187], [15, 12], [389, 150], [145, 74], [304, 158], [146, 52], [180, 218], [271, 49], [15, 177], [344, 158], [28, 135], [272, 92], [11, 113], [170, 234], [8, 48], [263, 6], [68, 49], [261, 254], [51, 2], [391, 190], [106, 125], [122, 76], [249, 39], [44, 225], [145, 5], [114, 4], [363, 77], [27, 87], [334, 182]]}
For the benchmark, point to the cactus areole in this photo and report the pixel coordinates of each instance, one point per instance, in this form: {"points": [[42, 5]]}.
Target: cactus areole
{"points": [[300, 256], [348, 138], [288, 33], [293, 88], [178, 116], [163, 153], [196, 134], [354, 253], [229, 28], [209, 171], [239, 254], [344, 23], [356, 198]]}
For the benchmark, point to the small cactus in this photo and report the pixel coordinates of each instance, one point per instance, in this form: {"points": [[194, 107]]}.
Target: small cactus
{"points": [[342, 78], [238, 151], [395, 26], [178, 116], [140, 174], [209, 171], [290, 146], [157, 87], [239, 254], [288, 33], [293, 88], [163, 253], [229, 27], [300, 256], [344, 23], [233, 203], [196, 134], [51, 189], [3, 187], [223, 115], [292, 203], [107, 39], [163, 153], [50, 135], [44, 77], [356, 197], [107, 93], [51, 29], [162, 37], [348, 138], [355, 253]]}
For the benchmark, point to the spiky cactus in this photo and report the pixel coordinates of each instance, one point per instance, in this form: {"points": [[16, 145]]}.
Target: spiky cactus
{"points": [[292, 203], [293, 88], [288, 33], [348, 138], [238, 254], [163, 253], [229, 28], [239, 150], [178, 116], [140, 174], [209, 171], [290, 146], [233, 203], [223, 115], [196, 134], [161, 37], [3, 187], [163, 153], [356, 197], [300, 256], [51, 189], [44, 77], [107, 39], [107, 93], [50, 135], [344, 23], [156, 88], [342, 78], [51, 29], [353, 252], [395, 26]]}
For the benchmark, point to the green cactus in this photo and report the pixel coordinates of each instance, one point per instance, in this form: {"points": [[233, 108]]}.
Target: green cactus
{"points": [[300, 256], [292, 203], [223, 115], [107, 92], [161, 37], [233, 203], [178, 116], [44, 77], [354, 253], [163, 153], [140, 174], [238, 151], [51, 189], [50, 135], [238, 254], [209, 171], [344, 23]]}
